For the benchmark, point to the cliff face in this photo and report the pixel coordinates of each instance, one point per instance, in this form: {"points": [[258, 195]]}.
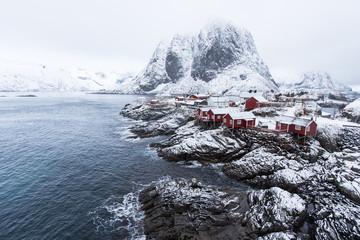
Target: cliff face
{"points": [[220, 59]]}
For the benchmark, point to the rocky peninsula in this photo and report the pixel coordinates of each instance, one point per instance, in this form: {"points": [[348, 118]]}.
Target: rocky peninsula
{"points": [[300, 189]]}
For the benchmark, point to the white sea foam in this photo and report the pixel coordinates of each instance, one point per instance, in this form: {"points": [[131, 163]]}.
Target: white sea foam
{"points": [[191, 164], [126, 134], [123, 215]]}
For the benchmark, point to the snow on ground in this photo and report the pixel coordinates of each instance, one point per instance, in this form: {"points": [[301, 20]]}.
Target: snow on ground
{"points": [[354, 106], [334, 122]]}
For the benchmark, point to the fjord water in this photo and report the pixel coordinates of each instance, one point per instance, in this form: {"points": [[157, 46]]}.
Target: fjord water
{"points": [[68, 171]]}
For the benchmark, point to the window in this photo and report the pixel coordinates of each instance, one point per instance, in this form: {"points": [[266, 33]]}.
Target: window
{"points": [[238, 121], [224, 120], [231, 121], [297, 127], [308, 129], [218, 117], [213, 116]]}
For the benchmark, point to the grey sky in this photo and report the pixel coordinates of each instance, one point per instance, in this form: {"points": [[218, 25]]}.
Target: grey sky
{"points": [[294, 36]]}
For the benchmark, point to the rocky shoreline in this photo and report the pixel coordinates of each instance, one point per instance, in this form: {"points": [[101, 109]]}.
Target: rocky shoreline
{"points": [[302, 189]]}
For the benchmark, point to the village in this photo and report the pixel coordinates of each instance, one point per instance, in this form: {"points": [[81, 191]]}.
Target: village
{"points": [[251, 110]]}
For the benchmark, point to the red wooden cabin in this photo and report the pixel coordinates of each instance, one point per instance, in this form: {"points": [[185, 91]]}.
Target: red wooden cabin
{"points": [[180, 99], [296, 125], [202, 113], [217, 114], [239, 119], [154, 101], [253, 102], [198, 97]]}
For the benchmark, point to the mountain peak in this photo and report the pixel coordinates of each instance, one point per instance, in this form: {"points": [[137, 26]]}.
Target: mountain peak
{"points": [[220, 58]]}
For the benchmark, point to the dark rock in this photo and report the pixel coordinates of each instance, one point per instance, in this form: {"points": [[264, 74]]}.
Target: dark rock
{"points": [[185, 209]]}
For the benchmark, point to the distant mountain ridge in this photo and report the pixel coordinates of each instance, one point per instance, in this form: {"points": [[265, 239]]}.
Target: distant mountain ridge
{"points": [[24, 77], [222, 58], [315, 81]]}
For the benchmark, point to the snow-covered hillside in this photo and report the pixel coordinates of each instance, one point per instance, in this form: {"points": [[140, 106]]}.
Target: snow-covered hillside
{"points": [[221, 59], [309, 81], [16, 76]]}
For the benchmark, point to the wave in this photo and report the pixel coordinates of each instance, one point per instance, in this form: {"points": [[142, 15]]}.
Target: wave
{"points": [[121, 216]]}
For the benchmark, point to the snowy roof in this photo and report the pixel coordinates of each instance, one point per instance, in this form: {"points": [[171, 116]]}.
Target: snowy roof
{"points": [[204, 109], [222, 110], [260, 98], [218, 99], [292, 120], [242, 115]]}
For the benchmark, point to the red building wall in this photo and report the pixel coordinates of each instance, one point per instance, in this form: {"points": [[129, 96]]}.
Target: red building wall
{"points": [[283, 127], [251, 103], [303, 131], [236, 124], [313, 128], [292, 128], [193, 97], [214, 117]]}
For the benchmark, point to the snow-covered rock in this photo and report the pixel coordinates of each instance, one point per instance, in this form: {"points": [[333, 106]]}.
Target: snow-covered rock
{"points": [[187, 209], [352, 111], [190, 142], [254, 163], [223, 58], [274, 210], [288, 235]]}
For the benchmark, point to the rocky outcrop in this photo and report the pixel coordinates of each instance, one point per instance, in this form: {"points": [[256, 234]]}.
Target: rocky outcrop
{"points": [[257, 162], [156, 121], [141, 111], [274, 210], [190, 142], [186, 209]]}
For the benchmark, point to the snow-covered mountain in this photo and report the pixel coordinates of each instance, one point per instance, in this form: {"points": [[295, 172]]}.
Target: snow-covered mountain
{"points": [[310, 81], [221, 59], [16, 76]]}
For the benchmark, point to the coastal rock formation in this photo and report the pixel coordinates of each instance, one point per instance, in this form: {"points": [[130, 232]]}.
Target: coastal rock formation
{"points": [[186, 209], [322, 175], [190, 142], [156, 121]]}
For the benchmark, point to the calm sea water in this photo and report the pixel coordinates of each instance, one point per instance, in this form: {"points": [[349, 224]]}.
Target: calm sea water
{"points": [[68, 171]]}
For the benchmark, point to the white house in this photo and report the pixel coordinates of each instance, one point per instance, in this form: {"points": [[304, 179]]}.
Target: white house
{"points": [[219, 102]]}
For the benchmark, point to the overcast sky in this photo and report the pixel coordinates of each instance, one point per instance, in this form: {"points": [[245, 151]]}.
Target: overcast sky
{"points": [[291, 36]]}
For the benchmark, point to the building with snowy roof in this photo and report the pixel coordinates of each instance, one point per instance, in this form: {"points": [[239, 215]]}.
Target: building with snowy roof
{"points": [[239, 119], [300, 126], [254, 102]]}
